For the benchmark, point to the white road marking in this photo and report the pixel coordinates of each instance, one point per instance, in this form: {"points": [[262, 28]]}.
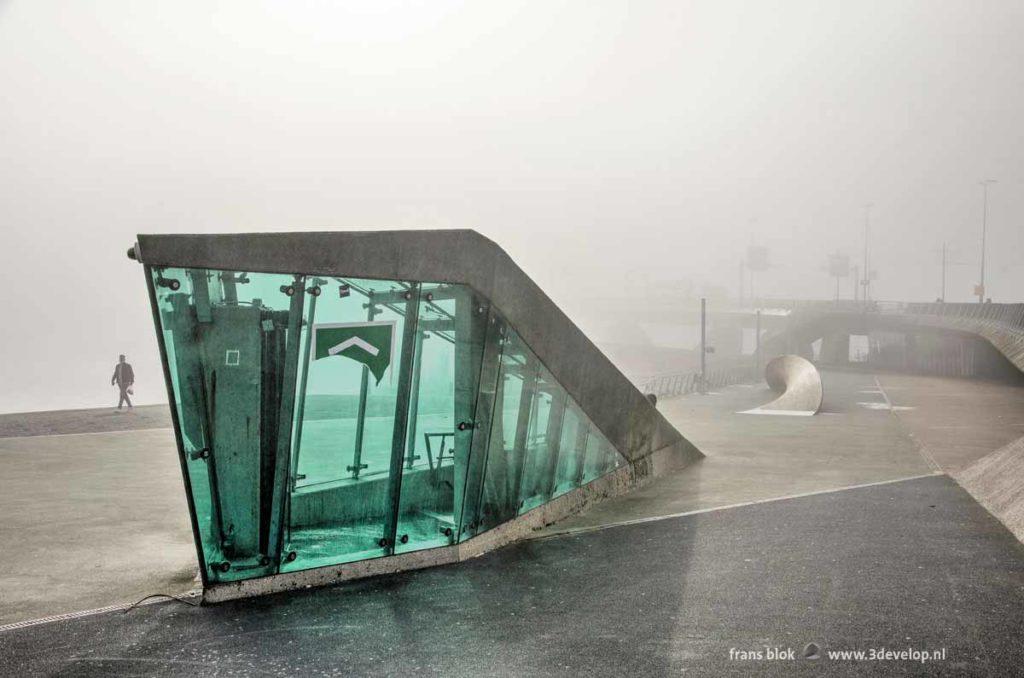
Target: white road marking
{"points": [[884, 406], [921, 449], [668, 516], [86, 433], [96, 610], [782, 413]]}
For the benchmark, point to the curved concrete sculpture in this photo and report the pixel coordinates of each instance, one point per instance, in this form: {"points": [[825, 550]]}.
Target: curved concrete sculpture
{"points": [[798, 381]]}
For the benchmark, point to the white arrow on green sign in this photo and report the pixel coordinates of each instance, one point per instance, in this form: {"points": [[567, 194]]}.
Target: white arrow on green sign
{"points": [[369, 343]]}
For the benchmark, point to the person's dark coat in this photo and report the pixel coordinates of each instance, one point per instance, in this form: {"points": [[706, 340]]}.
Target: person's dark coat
{"points": [[123, 375]]}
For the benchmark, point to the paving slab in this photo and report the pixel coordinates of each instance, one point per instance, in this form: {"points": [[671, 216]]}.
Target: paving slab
{"points": [[956, 421], [91, 520], [91, 420]]}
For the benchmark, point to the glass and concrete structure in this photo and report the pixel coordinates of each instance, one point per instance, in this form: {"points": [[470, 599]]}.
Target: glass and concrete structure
{"points": [[353, 403]]}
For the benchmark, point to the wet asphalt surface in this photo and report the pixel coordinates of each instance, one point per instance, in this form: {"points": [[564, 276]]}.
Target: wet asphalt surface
{"points": [[915, 564]]}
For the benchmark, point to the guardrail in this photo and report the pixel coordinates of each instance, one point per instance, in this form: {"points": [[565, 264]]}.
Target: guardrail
{"points": [[1011, 315], [682, 383]]}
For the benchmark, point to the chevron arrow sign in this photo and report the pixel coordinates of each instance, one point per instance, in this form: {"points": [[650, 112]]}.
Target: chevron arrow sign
{"points": [[369, 343]]}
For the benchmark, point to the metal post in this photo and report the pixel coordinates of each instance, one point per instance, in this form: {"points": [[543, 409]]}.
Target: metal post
{"points": [[703, 346], [984, 225], [286, 407], [741, 282], [414, 401], [364, 384], [757, 343], [866, 282], [301, 408], [942, 297], [401, 427]]}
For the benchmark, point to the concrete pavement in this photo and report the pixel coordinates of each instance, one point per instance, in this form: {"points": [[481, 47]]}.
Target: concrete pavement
{"points": [[956, 421], [91, 520], [855, 440]]}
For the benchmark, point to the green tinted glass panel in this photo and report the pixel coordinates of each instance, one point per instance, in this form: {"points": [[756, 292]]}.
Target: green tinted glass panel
{"points": [[487, 408], [228, 363], [345, 427], [509, 429], [601, 457], [543, 443], [449, 342], [572, 449]]}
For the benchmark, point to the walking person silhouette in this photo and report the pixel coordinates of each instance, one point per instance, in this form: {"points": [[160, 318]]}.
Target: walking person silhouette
{"points": [[124, 377]]}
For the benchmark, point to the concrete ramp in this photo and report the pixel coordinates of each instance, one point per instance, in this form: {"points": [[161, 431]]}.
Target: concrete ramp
{"points": [[997, 482], [798, 382]]}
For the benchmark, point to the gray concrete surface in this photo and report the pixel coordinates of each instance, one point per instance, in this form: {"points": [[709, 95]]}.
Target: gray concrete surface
{"points": [[854, 440], [997, 482], [91, 520], [956, 421], [93, 420], [915, 564]]}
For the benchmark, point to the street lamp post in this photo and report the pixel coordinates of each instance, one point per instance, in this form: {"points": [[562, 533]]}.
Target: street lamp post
{"points": [[867, 228], [984, 224], [942, 297], [703, 346]]}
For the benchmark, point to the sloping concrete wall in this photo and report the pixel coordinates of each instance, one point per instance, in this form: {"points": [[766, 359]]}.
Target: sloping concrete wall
{"points": [[1007, 339], [997, 482]]}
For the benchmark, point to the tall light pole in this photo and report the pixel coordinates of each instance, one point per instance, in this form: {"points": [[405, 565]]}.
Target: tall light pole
{"points": [[703, 345], [946, 263], [984, 219], [867, 228], [942, 297]]}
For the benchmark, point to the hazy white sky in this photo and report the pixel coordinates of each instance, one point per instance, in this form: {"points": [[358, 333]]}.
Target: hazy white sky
{"points": [[592, 140]]}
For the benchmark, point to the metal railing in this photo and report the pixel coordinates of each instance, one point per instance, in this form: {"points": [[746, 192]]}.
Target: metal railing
{"points": [[682, 383], [1010, 315]]}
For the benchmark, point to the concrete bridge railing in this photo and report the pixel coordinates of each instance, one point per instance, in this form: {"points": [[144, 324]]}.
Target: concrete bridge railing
{"points": [[1002, 325]]}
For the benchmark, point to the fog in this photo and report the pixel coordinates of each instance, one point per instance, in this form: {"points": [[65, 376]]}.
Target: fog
{"points": [[600, 143]]}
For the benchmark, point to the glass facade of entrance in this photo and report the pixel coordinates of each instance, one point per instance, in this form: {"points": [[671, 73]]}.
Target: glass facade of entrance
{"points": [[325, 420]]}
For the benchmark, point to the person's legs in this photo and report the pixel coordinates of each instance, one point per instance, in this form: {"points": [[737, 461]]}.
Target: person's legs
{"points": [[124, 398]]}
